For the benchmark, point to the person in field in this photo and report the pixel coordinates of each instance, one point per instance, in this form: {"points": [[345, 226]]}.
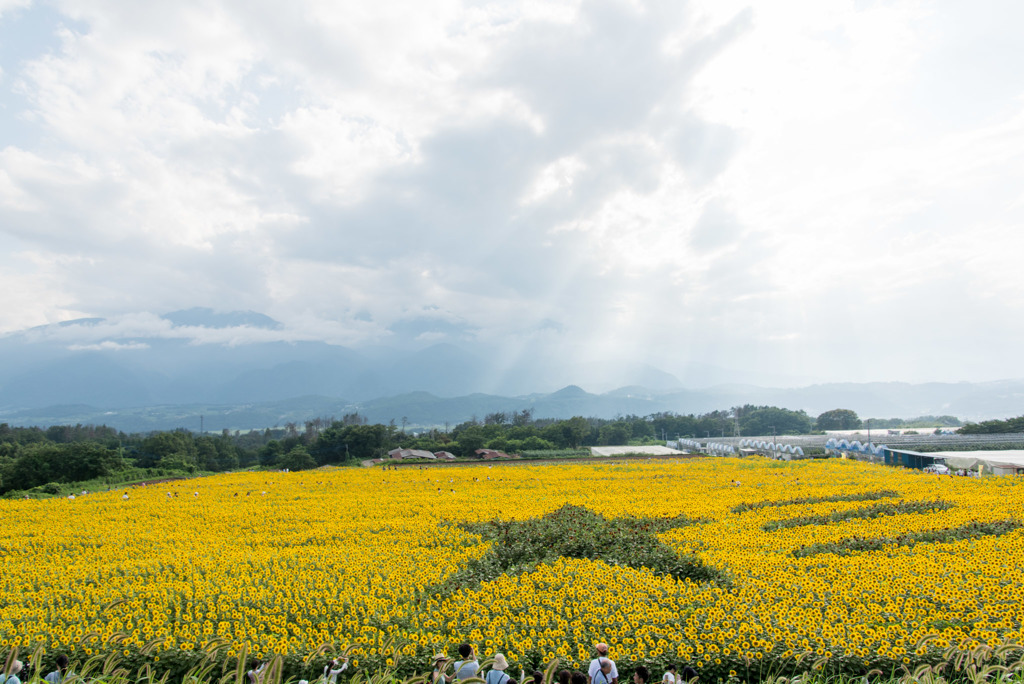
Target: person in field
{"points": [[641, 675], [440, 661], [256, 674], [497, 674], [12, 676], [333, 669], [602, 669], [468, 666], [58, 675]]}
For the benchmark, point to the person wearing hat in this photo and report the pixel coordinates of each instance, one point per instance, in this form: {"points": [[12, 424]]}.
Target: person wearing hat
{"points": [[438, 676], [13, 675], [602, 669], [497, 675]]}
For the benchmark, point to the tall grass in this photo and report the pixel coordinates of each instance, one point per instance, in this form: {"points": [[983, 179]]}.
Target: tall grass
{"points": [[981, 665]]}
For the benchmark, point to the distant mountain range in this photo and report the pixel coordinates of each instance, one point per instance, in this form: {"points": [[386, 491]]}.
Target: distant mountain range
{"points": [[422, 409], [236, 370]]}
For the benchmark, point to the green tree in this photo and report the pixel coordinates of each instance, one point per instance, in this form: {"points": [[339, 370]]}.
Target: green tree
{"points": [[297, 459], [36, 464], [765, 419], [536, 444], [86, 460], [838, 419], [271, 453], [341, 442], [615, 434], [168, 449], [469, 439], [43, 462], [216, 453], [575, 430]]}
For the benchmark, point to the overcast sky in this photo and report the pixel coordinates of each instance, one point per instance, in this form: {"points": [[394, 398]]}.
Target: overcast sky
{"points": [[826, 190]]}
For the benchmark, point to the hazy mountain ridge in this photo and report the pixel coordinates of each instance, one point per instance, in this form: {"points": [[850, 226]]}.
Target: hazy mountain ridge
{"points": [[161, 372], [420, 409]]}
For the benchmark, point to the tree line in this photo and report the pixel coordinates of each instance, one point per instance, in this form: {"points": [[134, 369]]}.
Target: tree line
{"points": [[33, 457], [991, 427]]}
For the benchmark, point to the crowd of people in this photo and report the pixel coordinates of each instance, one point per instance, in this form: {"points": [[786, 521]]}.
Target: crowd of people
{"points": [[332, 669], [602, 670], [16, 672]]}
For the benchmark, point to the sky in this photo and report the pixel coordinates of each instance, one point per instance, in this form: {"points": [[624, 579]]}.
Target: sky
{"points": [[798, 190]]}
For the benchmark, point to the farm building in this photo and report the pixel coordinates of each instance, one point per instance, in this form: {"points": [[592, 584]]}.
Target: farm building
{"points": [[410, 453], [909, 459], [491, 454], [1009, 462]]}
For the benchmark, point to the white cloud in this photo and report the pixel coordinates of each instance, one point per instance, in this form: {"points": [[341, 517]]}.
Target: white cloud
{"points": [[554, 173], [108, 345], [7, 6], [556, 176]]}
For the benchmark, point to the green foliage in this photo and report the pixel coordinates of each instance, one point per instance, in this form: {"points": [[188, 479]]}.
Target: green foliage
{"points": [[576, 532], [469, 440], [993, 426], [865, 513], [575, 430], [297, 459], [216, 453], [120, 478], [932, 421], [972, 530], [175, 449], [41, 462], [763, 420], [616, 434], [861, 496], [342, 442], [837, 419], [271, 453], [919, 422]]}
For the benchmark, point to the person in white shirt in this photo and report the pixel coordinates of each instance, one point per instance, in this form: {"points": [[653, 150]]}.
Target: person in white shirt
{"points": [[602, 669], [670, 676], [332, 670], [256, 674]]}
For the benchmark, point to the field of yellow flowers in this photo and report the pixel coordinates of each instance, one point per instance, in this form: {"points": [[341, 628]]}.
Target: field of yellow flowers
{"points": [[281, 563]]}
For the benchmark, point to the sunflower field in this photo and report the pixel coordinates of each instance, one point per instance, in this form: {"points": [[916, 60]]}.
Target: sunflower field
{"points": [[777, 567]]}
